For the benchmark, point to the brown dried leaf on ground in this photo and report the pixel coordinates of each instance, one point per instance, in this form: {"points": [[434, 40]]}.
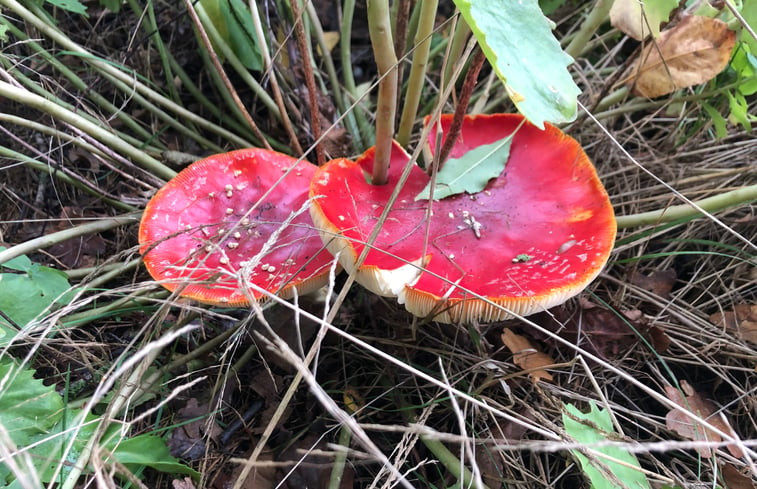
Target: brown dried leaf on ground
{"points": [[734, 479], [742, 321], [598, 330], [188, 440], [526, 356], [262, 476], [659, 282], [690, 53], [686, 427]]}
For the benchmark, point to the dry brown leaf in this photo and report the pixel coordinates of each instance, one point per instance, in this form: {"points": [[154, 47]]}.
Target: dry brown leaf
{"points": [[742, 320], [686, 427], [734, 479], [692, 52], [659, 282], [526, 356]]}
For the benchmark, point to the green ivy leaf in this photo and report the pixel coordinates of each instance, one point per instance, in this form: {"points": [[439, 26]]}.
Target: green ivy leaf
{"points": [[599, 428], [471, 172], [518, 42]]}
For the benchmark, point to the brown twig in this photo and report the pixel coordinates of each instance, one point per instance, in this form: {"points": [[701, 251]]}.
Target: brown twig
{"points": [[219, 68], [307, 66], [462, 106]]}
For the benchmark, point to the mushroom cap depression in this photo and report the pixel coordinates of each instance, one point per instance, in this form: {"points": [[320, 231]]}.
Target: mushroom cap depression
{"points": [[212, 235], [534, 237]]}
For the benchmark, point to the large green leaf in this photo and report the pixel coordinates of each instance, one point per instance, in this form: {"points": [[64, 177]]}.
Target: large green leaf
{"points": [[471, 172], [27, 406], [518, 42], [25, 296], [598, 428], [150, 451]]}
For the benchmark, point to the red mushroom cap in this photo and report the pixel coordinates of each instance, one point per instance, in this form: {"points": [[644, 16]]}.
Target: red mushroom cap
{"points": [[205, 231], [534, 237]]}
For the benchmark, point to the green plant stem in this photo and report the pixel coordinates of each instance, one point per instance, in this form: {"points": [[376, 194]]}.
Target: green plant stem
{"points": [[114, 74], [597, 15], [111, 140], [272, 77], [415, 83], [459, 38], [162, 51], [80, 273], [711, 204], [365, 132], [62, 175], [77, 82], [48, 240], [450, 461], [136, 300], [340, 458], [380, 29]]}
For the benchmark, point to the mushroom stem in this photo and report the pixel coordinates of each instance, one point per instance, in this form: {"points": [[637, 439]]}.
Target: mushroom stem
{"points": [[462, 105], [379, 26]]}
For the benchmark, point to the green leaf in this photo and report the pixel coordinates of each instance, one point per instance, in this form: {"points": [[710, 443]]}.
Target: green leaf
{"points": [[112, 5], [73, 6], [20, 263], [744, 64], [718, 121], [598, 428], [150, 451], [242, 38], [27, 406], [518, 42], [749, 13], [471, 172], [739, 110], [3, 33], [23, 297]]}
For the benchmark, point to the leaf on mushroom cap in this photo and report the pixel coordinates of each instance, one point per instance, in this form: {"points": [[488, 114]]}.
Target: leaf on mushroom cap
{"points": [[534, 237], [209, 233]]}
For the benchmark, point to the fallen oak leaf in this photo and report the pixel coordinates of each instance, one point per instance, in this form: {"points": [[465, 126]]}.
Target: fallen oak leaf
{"points": [[692, 52], [527, 357], [659, 282], [681, 423]]}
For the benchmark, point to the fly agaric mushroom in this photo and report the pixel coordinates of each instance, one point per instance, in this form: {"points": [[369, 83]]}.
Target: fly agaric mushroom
{"points": [[210, 232], [534, 237]]}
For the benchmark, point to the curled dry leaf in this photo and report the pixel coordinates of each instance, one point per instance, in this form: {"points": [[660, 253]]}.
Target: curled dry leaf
{"points": [[682, 424], [742, 320], [527, 357], [735, 479], [659, 282], [692, 52], [637, 19]]}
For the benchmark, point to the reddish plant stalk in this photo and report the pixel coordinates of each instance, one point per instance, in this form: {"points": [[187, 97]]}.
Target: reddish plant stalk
{"points": [[462, 105], [307, 66]]}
